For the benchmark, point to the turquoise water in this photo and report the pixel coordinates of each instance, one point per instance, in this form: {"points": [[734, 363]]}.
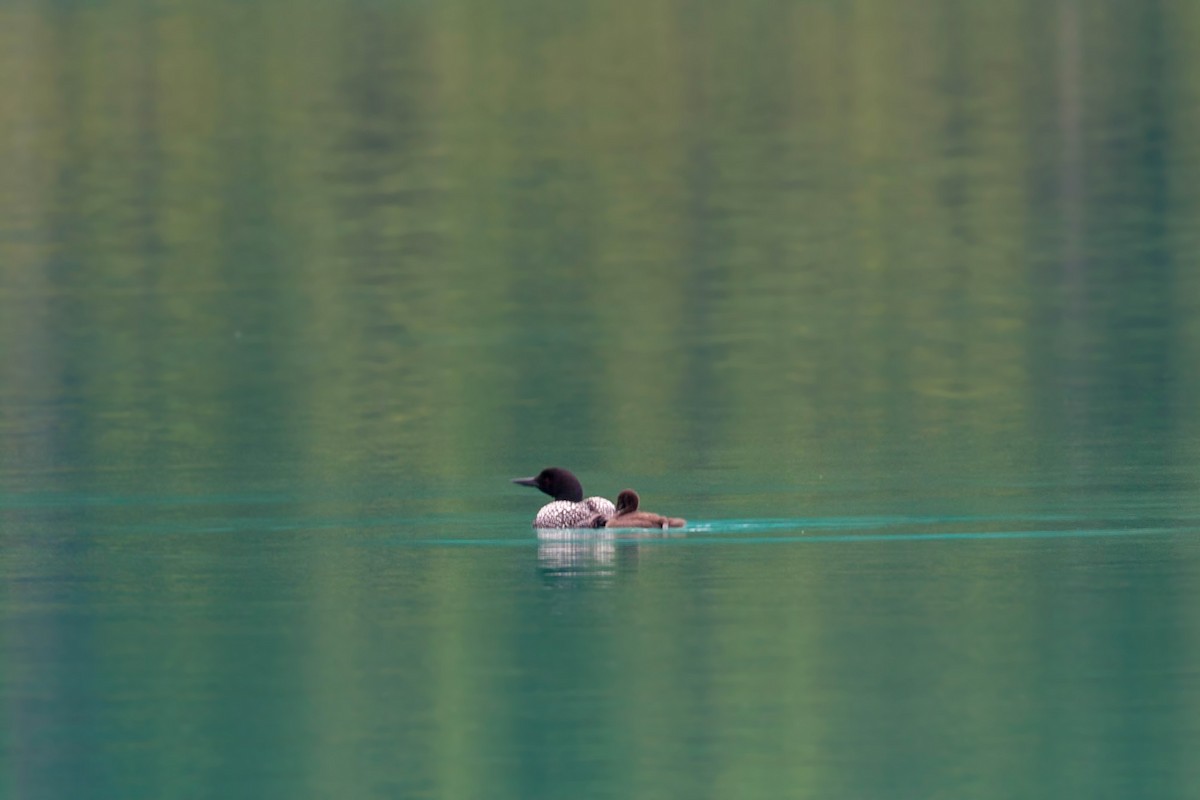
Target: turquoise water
{"points": [[848, 658], [897, 305]]}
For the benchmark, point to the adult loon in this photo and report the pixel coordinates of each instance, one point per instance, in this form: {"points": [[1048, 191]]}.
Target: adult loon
{"points": [[628, 516], [569, 509]]}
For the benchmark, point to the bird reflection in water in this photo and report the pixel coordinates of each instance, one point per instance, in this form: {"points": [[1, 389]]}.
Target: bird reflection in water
{"points": [[569, 557]]}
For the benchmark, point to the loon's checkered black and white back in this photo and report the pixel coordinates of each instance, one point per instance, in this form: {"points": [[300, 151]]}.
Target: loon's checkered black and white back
{"points": [[570, 509], [565, 514]]}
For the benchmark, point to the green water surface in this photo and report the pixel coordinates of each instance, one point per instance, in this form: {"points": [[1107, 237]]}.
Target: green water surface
{"points": [[897, 303]]}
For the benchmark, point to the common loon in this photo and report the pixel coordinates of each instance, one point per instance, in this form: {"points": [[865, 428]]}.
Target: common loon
{"points": [[569, 509], [628, 516]]}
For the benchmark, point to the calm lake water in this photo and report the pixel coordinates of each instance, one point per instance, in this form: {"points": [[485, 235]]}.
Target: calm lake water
{"points": [[896, 303]]}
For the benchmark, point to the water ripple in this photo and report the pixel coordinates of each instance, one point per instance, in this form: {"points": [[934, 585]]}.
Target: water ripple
{"points": [[703, 535]]}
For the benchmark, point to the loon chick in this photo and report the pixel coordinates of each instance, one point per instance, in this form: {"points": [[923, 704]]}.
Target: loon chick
{"points": [[628, 516], [569, 509]]}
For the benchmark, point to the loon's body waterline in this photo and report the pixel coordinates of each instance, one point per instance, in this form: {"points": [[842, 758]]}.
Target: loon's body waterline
{"points": [[570, 509]]}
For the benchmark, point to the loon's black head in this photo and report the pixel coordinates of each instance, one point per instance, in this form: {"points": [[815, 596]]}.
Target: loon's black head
{"points": [[556, 482], [627, 501]]}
